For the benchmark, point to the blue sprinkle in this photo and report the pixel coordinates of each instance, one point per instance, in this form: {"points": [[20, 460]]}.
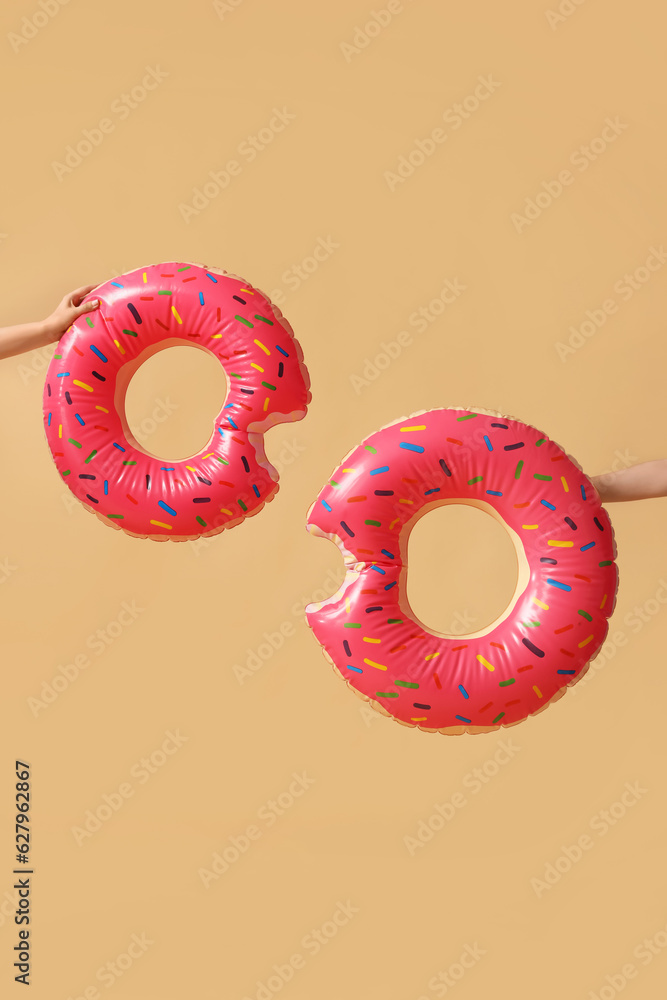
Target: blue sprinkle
{"points": [[557, 583], [284, 353], [326, 505], [256, 490], [589, 546], [118, 446], [462, 718], [228, 406], [165, 468], [436, 489], [488, 443], [221, 432], [201, 298], [547, 504], [117, 284], [106, 487], [385, 552], [378, 570], [494, 493], [566, 671], [390, 585], [80, 419], [232, 423], [583, 492], [165, 506], [48, 423], [463, 691], [383, 468], [410, 447], [357, 670], [62, 374], [98, 353], [214, 280]]}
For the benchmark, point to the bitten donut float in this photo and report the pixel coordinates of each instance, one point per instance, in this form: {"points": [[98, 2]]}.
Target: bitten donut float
{"points": [[141, 313], [567, 579]]}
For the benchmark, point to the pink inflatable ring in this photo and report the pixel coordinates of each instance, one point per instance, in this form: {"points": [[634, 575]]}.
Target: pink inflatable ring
{"points": [[141, 313], [567, 580]]}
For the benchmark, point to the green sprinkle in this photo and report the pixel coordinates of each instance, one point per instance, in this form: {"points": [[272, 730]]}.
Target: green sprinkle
{"points": [[538, 475], [164, 293], [244, 321], [129, 463], [222, 460], [130, 333], [375, 524], [530, 624], [586, 615], [475, 479], [89, 321], [467, 417], [67, 472], [121, 516], [263, 319], [92, 455], [242, 505], [267, 385], [334, 483], [59, 356], [72, 441], [394, 621], [541, 441], [606, 562], [505, 683], [499, 717], [386, 694], [234, 375], [369, 447], [183, 268], [519, 467], [201, 521], [406, 684], [351, 625]]}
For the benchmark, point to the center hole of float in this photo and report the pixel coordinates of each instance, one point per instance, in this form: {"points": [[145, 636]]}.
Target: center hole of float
{"points": [[172, 401], [465, 569]]}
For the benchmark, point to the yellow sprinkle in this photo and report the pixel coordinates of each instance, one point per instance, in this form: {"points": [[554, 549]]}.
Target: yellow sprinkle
{"points": [[207, 456], [366, 639], [248, 291], [178, 318], [564, 482], [122, 351], [260, 344], [530, 525], [253, 365], [562, 545], [537, 691], [395, 521], [485, 663], [432, 656], [223, 510], [216, 336], [161, 524], [421, 427], [266, 404], [377, 665], [418, 718], [102, 408], [406, 501], [145, 278], [190, 469], [348, 470], [604, 599], [540, 603], [60, 430], [83, 385], [585, 642], [347, 605]]}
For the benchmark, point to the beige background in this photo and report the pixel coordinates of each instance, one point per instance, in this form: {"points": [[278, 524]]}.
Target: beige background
{"points": [[206, 608]]}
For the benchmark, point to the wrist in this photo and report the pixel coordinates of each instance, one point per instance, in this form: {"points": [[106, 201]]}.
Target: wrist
{"points": [[47, 332]]}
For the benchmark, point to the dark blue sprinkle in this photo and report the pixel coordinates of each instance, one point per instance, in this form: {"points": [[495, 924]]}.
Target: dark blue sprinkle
{"points": [[68, 398], [245, 463], [281, 370], [85, 475], [201, 499], [597, 524], [148, 482], [384, 493], [374, 608], [554, 562], [568, 520], [48, 388], [91, 498], [345, 527], [417, 704], [566, 671], [436, 489], [239, 299], [100, 377], [390, 585], [346, 647], [248, 392], [389, 555], [513, 447], [445, 467], [504, 426], [206, 482]]}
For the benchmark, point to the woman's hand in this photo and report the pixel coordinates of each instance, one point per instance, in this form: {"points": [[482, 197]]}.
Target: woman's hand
{"points": [[67, 311]]}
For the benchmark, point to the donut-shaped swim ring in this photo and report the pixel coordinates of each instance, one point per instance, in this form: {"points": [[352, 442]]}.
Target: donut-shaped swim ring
{"points": [[567, 579], [140, 313]]}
